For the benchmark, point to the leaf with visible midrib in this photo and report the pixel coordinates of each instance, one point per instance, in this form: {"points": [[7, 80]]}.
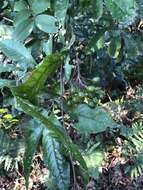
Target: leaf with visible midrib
{"points": [[16, 51], [55, 131], [35, 83], [46, 23], [23, 30], [55, 161]]}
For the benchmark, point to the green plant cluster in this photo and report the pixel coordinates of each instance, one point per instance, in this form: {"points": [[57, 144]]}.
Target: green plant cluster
{"points": [[71, 56]]}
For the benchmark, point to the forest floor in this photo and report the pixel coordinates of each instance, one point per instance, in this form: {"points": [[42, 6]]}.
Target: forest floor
{"points": [[112, 175]]}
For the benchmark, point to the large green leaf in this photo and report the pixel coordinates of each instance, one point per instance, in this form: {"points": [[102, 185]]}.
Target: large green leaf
{"points": [[35, 82], [46, 23], [40, 6], [22, 16], [92, 120], [61, 9], [17, 52], [123, 11], [23, 30], [54, 130], [55, 161], [35, 112], [33, 135]]}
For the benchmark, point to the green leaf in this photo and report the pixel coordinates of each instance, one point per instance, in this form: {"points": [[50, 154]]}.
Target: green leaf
{"points": [[97, 41], [8, 68], [68, 69], [38, 77], [22, 16], [23, 30], [55, 161], [34, 133], [56, 131], [114, 47], [40, 6], [46, 23], [61, 7], [48, 46], [76, 155], [94, 161], [35, 112], [20, 5], [92, 120], [122, 11], [97, 6], [17, 52], [6, 83]]}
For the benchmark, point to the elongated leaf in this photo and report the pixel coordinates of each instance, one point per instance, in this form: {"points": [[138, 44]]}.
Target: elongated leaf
{"points": [[22, 16], [34, 132], [40, 6], [61, 7], [46, 23], [92, 120], [34, 111], [6, 83], [68, 68], [123, 11], [36, 81], [76, 155], [97, 6], [55, 161], [8, 68], [48, 46], [17, 52], [54, 130], [23, 30]]}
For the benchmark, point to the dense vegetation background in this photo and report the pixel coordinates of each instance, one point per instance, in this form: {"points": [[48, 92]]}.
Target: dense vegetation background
{"points": [[71, 96]]}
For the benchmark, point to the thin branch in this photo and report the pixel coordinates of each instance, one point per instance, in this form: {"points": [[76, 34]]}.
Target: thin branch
{"points": [[63, 122]]}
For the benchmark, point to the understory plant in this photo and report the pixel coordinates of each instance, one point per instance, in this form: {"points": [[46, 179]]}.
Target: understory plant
{"points": [[61, 60]]}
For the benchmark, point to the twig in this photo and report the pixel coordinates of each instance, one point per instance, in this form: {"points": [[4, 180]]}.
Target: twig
{"points": [[8, 19], [63, 122], [78, 80]]}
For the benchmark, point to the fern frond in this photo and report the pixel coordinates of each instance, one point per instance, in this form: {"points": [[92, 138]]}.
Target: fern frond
{"points": [[134, 149], [136, 169], [134, 144]]}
